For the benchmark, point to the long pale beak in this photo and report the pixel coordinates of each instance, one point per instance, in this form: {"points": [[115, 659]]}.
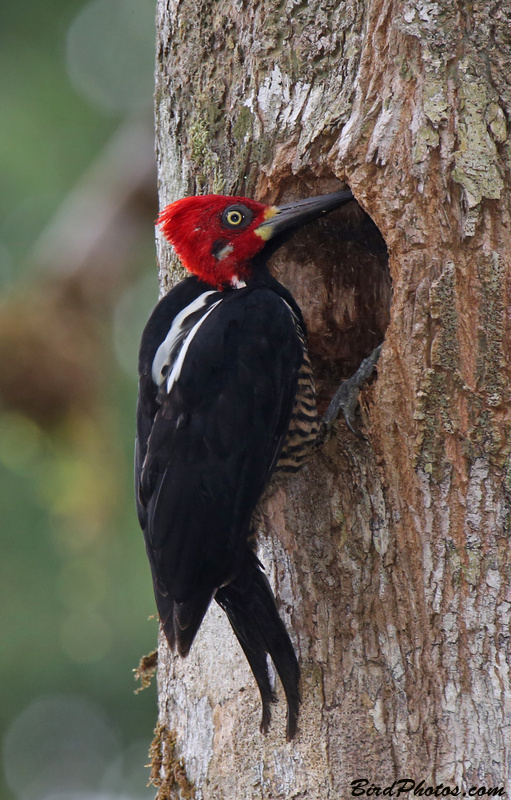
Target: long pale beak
{"points": [[292, 215]]}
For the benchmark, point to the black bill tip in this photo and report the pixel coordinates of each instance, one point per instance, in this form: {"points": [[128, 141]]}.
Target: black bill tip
{"points": [[285, 218]]}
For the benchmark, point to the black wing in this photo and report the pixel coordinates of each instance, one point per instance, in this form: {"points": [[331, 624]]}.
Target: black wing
{"points": [[207, 448]]}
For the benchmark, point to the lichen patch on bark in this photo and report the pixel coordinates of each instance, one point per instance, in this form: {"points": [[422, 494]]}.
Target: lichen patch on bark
{"points": [[168, 772], [146, 670]]}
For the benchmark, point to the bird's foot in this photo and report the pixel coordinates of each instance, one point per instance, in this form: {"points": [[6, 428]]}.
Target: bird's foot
{"points": [[346, 396]]}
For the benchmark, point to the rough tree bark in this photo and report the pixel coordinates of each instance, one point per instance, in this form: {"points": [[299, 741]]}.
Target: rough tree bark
{"points": [[389, 557]]}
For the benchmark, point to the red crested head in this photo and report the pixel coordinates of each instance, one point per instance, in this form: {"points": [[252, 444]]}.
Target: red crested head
{"points": [[216, 237]]}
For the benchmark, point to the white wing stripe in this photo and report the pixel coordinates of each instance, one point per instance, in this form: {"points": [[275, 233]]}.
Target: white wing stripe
{"points": [[176, 369], [164, 351]]}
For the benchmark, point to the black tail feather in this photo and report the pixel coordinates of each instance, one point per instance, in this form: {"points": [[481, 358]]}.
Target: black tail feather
{"points": [[249, 603], [188, 617], [181, 621], [165, 606]]}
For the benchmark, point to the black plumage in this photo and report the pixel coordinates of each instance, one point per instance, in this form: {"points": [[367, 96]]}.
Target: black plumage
{"points": [[205, 452]]}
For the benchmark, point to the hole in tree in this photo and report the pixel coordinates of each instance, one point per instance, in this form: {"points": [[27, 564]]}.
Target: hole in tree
{"points": [[337, 270]]}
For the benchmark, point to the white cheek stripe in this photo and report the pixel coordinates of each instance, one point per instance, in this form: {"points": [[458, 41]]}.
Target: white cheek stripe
{"points": [[236, 283], [164, 351], [176, 369], [225, 251]]}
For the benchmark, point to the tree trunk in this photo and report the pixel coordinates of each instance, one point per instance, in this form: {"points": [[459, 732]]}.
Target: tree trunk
{"points": [[389, 557]]}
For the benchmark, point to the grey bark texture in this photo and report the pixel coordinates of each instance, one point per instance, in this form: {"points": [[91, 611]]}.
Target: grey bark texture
{"points": [[390, 557]]}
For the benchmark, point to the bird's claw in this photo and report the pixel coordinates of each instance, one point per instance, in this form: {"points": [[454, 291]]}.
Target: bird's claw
{"points": [[346, 397]]}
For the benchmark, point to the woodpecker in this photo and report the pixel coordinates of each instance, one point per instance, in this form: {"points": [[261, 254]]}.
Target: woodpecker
{"points": [[226, 401]]}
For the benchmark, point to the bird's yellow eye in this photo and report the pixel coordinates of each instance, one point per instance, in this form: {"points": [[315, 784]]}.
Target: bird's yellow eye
{"points": [[234, 217], [237, 216]]}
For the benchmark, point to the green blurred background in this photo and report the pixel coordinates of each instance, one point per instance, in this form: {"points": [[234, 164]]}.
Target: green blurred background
{"points": [[77, 281]]}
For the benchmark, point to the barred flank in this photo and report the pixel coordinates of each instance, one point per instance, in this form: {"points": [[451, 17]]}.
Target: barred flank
{"points": [[304, 424]]}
